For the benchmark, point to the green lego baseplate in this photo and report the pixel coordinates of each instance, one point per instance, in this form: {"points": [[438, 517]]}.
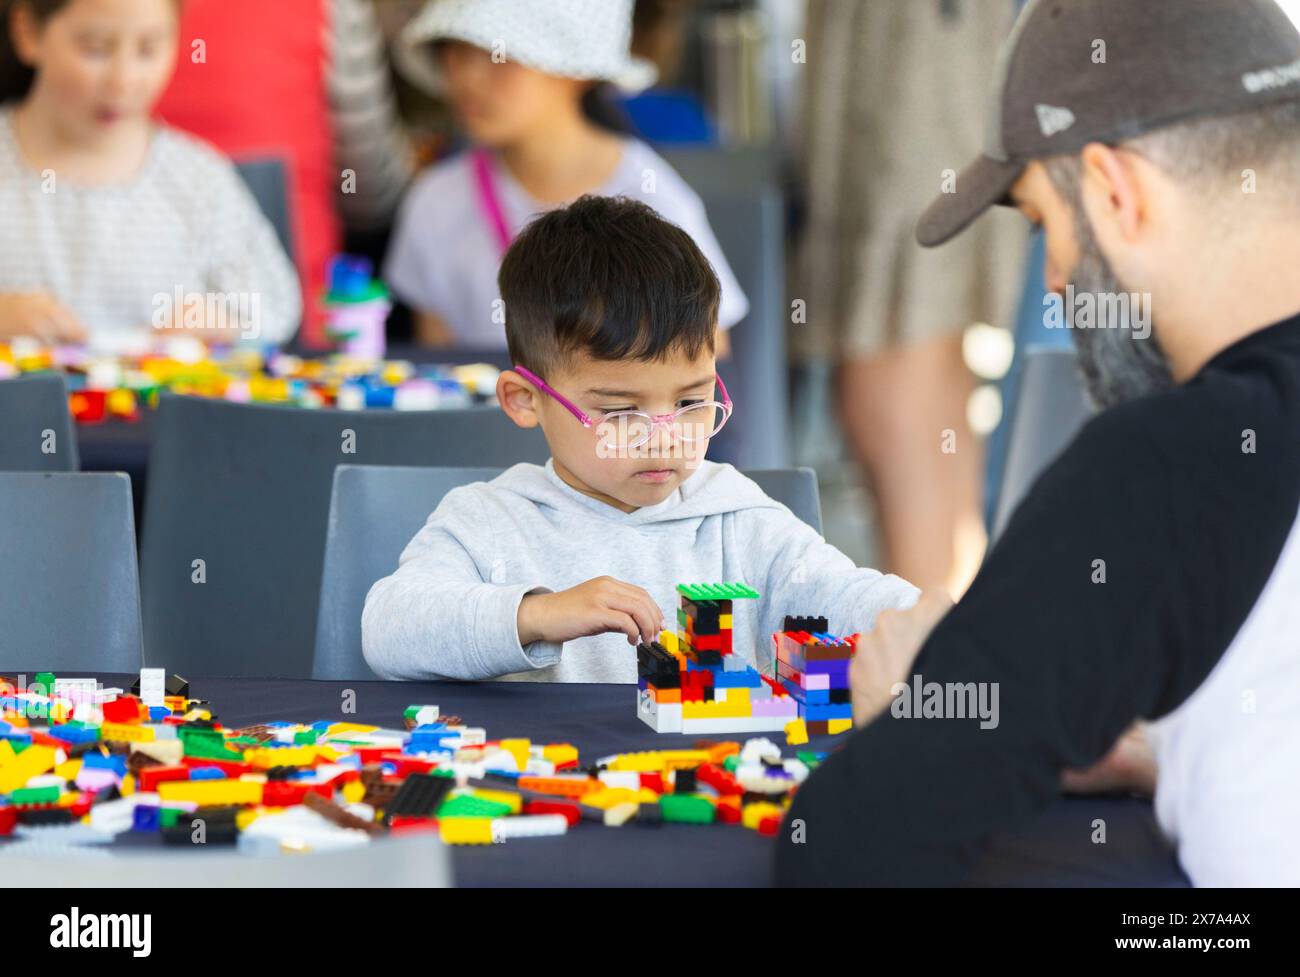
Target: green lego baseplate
{"points": [[716, 591]]}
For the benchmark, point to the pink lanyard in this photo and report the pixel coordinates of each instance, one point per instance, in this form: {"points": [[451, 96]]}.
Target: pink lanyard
{"points": [[488, 198]]}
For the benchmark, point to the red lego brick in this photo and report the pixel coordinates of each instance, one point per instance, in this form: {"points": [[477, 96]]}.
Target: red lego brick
{"points": [[149, 778], [571, 812], [285, 793], [123, 709]]}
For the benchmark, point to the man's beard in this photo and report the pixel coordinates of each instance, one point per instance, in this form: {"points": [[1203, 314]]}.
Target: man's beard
{"points": [[1117, 365]]}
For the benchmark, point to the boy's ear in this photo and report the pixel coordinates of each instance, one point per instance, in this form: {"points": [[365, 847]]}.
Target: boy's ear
{"points": [[23, 33], [518, 398]]}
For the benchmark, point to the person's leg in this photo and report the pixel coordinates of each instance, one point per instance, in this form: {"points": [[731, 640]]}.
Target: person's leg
{"points": [[903, 411]]}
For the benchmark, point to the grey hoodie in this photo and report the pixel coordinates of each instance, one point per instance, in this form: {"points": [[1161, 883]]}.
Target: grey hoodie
{"points": [[450, 610]]}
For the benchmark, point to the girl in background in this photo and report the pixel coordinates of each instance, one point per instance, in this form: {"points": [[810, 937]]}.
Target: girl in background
{"points": [[518, 76], [114, 230]]}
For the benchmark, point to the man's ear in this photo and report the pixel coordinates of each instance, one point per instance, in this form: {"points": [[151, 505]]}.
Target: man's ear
{"points": [[1112, 189], [518, 398]]}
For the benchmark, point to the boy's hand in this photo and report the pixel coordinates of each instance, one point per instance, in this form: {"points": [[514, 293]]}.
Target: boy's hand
{"points": [[38, 315], [886, 653], [598, 606]]}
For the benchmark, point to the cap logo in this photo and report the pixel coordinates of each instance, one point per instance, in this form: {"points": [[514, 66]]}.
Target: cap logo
{"points": [[1053, 119], [1262, 81]]}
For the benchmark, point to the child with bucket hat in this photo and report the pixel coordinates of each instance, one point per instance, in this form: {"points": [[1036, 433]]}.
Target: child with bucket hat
{"points": [[517, 75]]}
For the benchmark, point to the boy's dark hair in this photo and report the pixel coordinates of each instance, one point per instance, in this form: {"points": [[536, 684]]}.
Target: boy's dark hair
{"points": [[609, 277]]}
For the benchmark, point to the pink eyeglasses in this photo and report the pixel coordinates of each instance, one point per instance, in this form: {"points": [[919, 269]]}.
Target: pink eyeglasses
{"points": [[627, 429]]}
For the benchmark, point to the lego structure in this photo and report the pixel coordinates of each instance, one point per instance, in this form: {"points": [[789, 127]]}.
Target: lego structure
{"points": [[693, 682]]}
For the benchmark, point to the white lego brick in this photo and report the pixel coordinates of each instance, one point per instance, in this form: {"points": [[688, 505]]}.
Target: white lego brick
{"points": [[627, 779], [78, 691], [529, 826], [662, 717], [153, 686], [744, 724]]}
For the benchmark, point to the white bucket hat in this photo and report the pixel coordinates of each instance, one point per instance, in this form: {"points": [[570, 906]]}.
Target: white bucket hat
{"points": [[586, 39]]}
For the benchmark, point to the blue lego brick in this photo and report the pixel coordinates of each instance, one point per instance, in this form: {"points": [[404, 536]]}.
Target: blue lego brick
{"points": [[207, 773], [146, 817], [73, 734], [97, 761], [748, 679], [838, 711], [158, 713]]}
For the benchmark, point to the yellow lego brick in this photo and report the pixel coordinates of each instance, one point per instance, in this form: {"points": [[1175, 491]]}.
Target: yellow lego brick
{"points": [[834, 726], [796, 732], [517, 748], [211, 792], [125, 733], [194, 714], [68, 769], [717, 710], [466, 831], [751, 814], [606, 797], [515, 801], [558, 753], [658, 760], [18, 768], [60, 712], [338, 728], [128, 785], [669, 641], [354, 791], [724, 621], [264, 758], [247, 816]]}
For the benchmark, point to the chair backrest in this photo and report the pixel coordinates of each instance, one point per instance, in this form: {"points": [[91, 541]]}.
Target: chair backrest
{"points": [[376, 511], [267, 180], [414, 861], [1051, 408], [35, 426], [747, 212], [246, 490], [69, 590]]}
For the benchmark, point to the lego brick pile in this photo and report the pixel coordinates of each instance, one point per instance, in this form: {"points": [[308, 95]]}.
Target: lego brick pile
{"points": [[80, 765], [103, 387]]}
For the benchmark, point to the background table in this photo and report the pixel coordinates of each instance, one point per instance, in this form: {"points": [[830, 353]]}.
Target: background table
{"points": [[1054, 849]]}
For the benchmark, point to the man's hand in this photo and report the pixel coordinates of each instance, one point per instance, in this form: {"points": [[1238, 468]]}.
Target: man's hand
{"points": [[1130, 766], [598, 606], [40, 316], [886, 653]]}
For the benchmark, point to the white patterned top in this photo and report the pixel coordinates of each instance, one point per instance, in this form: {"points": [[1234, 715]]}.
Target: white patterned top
{"points": [[119, 255]]}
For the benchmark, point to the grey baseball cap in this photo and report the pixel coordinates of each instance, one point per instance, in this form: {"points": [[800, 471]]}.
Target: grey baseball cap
{"points": [[1074, 72]]}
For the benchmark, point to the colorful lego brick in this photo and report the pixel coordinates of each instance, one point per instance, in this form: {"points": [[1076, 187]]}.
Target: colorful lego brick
{"points": [[716, 591], [216, 793]]}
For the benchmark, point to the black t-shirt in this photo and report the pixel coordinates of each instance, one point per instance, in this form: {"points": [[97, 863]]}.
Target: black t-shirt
{"points": [[1188, 498]]}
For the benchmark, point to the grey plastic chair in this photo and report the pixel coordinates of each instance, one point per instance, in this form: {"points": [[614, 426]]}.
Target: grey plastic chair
{"points": [[246, 489], [69, 591], [747, 212], [376, 511], [35, 426], [1051, 408], [267, 180]]}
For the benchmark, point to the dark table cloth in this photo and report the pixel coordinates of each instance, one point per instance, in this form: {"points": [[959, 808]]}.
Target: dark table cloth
{"points": [[1054, 849]]}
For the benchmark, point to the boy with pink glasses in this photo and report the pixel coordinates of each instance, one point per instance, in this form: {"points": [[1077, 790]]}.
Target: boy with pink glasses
{"points": [[555, 573]]}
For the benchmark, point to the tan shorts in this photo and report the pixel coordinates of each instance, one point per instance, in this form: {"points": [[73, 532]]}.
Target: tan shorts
{"points": [[897, 97]]}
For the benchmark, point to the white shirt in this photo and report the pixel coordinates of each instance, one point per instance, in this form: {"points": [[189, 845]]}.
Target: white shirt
{"points": [[1226, 785], [445, 255], [117, 254]]}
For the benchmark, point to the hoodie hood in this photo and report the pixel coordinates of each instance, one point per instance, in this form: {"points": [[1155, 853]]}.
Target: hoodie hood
{"points": [[713, 490]]}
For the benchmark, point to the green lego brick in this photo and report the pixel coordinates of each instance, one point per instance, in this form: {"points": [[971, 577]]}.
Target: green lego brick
{"points": [[469, 806], [46, 681], [686, 809], [168, 816], [731, 763], [716, 591], [810, 758], [306, 737], [36, 795]]}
